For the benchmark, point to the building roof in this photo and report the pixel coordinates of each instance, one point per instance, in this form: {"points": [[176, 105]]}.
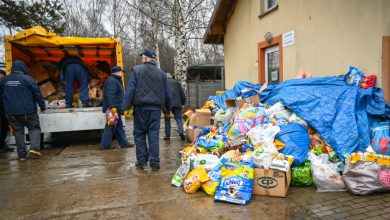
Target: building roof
{"points": [[217, 25]]}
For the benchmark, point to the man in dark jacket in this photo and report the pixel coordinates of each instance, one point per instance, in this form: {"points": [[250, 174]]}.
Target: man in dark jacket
{"points": [[74, 70], [3, 124], [147, 91], [178, 99], [20, 95], [113, 97]]}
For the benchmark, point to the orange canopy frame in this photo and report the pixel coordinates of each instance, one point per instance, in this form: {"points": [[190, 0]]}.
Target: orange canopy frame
{"points": [[38, 44]]}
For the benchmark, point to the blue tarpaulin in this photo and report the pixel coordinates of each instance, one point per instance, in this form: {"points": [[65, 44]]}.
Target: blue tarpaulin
{"points": [[233, 93], [341, 113]]}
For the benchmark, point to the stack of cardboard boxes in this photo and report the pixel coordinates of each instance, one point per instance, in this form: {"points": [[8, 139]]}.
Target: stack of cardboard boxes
{"points": [[43, 75], [198, 119]]}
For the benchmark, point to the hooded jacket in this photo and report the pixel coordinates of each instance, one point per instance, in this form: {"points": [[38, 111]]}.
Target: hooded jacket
{"points": [[19, 92], [113, 94]]}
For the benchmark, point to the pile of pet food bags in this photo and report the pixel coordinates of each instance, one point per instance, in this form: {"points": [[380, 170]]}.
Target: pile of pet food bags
{"points": [[223, 157]]}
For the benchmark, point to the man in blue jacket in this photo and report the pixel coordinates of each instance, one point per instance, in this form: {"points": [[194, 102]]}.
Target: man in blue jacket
{"points": [[112, 98], [178, 99], [3, 124], [147, 91], [74, 70], [20, 95]]}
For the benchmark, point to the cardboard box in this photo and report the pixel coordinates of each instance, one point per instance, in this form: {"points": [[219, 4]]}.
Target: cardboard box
{"points": [[200, 120], [38, 72], [192, 134], [55, 97], [230, 103], [203, 112], [48, 89], [255, 99], [271, 182], [193, 118], [188, 114]]}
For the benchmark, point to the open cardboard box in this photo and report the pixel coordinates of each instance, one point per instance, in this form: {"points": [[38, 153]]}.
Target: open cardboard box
{"points": [[188, 114], [201, 118], [47, 89], [192, 134], [267, 182], [254, 99]]}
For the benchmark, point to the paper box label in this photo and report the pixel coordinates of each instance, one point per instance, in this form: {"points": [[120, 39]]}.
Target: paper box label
{"points": [[267, 182]]}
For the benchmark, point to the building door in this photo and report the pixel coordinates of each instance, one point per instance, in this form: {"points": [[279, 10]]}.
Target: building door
{"points": [[272, 64], [270, 60]]}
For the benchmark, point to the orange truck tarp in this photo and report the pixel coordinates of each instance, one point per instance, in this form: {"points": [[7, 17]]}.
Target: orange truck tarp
{"points": [[38, 44]]}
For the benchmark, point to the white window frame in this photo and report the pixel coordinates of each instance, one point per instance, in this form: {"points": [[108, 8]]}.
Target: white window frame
{"points": [[266, 52], [269, 8]]}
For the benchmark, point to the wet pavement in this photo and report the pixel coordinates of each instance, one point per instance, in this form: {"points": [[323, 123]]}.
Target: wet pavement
{"points": [[77, 180]]}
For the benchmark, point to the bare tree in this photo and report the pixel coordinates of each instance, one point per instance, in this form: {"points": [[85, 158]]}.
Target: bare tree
{"points": [[173, 28]]}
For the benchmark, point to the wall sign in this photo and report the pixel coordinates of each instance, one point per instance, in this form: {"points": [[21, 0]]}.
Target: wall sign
{"points": [[288, 38]]}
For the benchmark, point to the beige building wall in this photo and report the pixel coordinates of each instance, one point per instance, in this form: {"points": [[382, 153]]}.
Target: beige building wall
{"points": [[330, 36]]}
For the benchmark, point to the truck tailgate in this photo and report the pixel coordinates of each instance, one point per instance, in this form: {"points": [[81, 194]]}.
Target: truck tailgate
{"points": [[72, 119]]}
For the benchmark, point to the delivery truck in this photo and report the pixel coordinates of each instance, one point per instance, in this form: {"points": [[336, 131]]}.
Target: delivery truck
{"points": [[42, 51]]}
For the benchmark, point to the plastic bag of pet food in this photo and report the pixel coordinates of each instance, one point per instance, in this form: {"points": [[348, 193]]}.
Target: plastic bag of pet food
{"points": [[380, 138], [194, 179], [301, 175], [112, 117], [326, 175], [354, 76], [181, 173], [245, 121], [236, 181], [210, 186]]}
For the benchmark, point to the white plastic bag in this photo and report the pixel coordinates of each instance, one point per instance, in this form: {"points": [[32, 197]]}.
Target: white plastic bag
{"points": [[263, 156], [222, 117], [294, 118], [280, 164], [275, 108], [263, 133], [208, 161], [326, 175], [283, 114]]}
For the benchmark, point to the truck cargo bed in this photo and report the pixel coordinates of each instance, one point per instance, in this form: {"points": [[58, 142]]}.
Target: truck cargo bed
{"points": [[72, 119]]}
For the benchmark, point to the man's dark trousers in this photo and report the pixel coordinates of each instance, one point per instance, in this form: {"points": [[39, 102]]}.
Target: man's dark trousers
{"points": [[75, 72], [31, 121], [177, 113], [117, 130], [3, 130], [147, 123]]}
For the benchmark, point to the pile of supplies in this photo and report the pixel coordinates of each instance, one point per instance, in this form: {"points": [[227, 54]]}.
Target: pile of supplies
{"points": [[331, 132]]}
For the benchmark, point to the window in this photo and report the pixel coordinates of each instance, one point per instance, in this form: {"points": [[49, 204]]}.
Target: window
{"points": [[267, 7], [272, 64], [270, 58], [269, 4]]}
